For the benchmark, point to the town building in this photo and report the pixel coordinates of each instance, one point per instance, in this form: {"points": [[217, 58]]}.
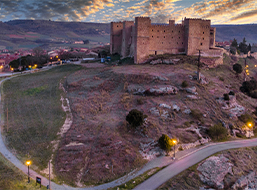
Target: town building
{"points": [[141, 38]]}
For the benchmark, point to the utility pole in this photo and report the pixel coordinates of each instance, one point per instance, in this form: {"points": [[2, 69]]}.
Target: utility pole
{"points": [[49, 175], [245, 71], [7, 119], [198, 69]]}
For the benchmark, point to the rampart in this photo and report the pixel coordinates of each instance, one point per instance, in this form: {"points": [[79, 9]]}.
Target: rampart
{"points": [[141, 38]]}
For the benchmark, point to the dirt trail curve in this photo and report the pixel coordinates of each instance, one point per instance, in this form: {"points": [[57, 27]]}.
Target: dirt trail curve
{"points": [[184, 160]]}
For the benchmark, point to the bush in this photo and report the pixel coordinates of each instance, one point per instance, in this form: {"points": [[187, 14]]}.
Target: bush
{"points": [[237, 68], [184, 84], [218, 132], [140, 101], [246, 118], [196, 114], [165, 142], [226, 96], [135, 118], [231, 93], [249, 86]]}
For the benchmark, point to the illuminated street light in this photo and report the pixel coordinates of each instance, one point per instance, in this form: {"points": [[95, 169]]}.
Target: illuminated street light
{"points": [[249, 124], [28, 163], [174, 142]]}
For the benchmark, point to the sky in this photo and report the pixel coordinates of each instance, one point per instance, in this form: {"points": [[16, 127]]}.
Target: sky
{"points": [[104, 11]]}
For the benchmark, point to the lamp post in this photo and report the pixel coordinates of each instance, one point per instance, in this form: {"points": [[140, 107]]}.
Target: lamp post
{"points": [[174, 142], [28, 162]]}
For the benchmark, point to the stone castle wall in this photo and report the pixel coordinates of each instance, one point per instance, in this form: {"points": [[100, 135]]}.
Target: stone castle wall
{"points": [[142, 38]]}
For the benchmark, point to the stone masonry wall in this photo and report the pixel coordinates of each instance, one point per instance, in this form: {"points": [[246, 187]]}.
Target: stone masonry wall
{"points": [[126, 38], [140, 39], [116, 37]]}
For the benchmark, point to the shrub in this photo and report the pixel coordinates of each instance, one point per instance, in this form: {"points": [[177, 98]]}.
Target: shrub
{"points": [[246, 118], [249, 87], [221, 78], [218, 132], [140, 101], [184, 84], [231, 93], [135, 118], [237, 68], [165, 142], [226, 96], [196, 114]]}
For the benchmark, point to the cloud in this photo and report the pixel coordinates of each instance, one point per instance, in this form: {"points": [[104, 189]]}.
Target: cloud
{"points": [[244, 15]]}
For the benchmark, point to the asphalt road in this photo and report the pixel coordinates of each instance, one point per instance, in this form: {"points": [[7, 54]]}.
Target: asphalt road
{"points": [[178, 166]]}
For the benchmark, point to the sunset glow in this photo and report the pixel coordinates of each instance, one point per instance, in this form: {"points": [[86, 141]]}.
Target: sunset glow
{"points": [[160, 11]]}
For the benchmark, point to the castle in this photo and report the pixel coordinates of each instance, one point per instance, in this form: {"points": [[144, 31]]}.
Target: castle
{"points": [[141, 38]]}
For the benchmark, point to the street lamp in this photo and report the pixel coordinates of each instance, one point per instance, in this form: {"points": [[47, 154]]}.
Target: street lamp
{"points": [[28, 163], [249, 124], [174, 142]]}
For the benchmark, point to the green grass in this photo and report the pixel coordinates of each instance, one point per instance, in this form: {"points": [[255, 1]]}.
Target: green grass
{"points": [[136, 181], [12, 178], [35, 115]]}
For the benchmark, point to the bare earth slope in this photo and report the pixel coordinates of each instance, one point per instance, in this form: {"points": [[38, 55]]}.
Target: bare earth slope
{"points": [[100, 146]]}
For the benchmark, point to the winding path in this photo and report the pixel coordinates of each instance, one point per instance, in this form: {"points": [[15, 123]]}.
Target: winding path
{"points": [[184, 160]]}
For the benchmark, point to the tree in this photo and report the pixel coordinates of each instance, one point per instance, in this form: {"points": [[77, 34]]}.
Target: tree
{"points": [[165, 142], [14, 64], [243, 47], [249, 48], [38, 51], [234, 43], [237, 68], [135, 118]]}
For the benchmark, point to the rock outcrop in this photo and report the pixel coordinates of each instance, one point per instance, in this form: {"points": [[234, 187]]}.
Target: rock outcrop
{"points": [[246, 182], [161, 91], [213, 170]]}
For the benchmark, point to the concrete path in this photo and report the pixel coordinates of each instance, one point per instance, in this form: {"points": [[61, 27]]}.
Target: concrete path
{"points": [[183, 163], [184, 159]]}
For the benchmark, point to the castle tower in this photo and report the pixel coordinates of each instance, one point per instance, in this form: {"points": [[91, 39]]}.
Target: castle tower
{"points": [[126, 38], [197, 35], [142, 30], [116, 37]]}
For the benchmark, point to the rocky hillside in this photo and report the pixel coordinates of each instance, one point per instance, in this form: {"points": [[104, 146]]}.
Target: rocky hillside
{"points": [[101, 96]]}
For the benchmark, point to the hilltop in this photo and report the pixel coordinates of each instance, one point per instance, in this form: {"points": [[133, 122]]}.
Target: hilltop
{"points": [[16, 34]]}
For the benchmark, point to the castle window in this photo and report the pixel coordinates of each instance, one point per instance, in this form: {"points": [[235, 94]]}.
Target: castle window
{"points": [[117, 25], [152, 30], [162, 42], [178, 37], [203, 38], [172, 31], [177, 42], [152, 36], [172, 37], [201, 44], [157, 36], [179, 31], [157, 30], [163, 36], [182, 42], [211, 33], [203, 32], [164, 31]]}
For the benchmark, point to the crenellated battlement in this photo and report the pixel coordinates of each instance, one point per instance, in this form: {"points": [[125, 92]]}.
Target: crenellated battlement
{"points": [[140, 38]]}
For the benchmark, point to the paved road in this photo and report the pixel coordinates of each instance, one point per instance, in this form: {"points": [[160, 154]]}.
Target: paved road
{"points": [[178, 166]]}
